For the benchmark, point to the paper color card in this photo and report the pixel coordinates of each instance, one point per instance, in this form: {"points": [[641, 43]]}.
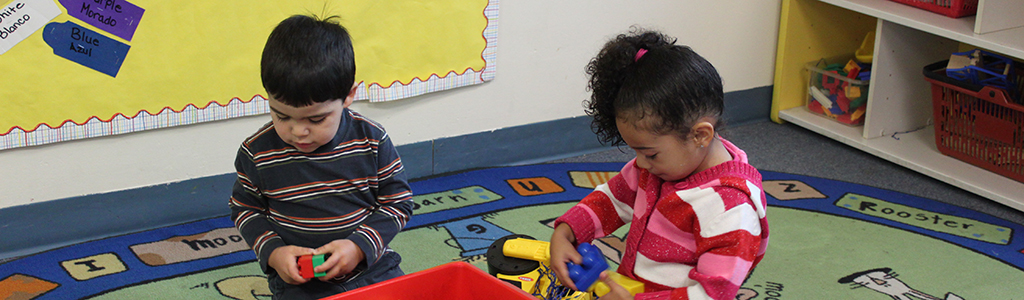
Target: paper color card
{"points": [[21, 18], [86, 47], [118, 17]]}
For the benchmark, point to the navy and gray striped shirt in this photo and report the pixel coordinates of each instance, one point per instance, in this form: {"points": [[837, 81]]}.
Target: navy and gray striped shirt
{"points": [[351, 188]]}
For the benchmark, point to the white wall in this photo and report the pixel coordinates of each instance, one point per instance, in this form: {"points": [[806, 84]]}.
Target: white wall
{"points": [[543, 47]]}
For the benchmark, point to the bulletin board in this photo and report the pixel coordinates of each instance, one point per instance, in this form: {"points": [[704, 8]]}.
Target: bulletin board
{"points": [[190, 62]]}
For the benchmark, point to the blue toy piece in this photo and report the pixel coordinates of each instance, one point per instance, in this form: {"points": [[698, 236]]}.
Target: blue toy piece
{"points": [[589, 270], [864, 75], [836, 108], [991, 69]]}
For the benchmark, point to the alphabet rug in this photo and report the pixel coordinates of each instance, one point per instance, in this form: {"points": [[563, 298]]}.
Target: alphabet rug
{"points": [[829, 240]]}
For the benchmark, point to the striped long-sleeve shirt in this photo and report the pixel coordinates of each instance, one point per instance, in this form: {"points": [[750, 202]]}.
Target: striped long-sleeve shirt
{"points": [[697, 238], [352, 188]]}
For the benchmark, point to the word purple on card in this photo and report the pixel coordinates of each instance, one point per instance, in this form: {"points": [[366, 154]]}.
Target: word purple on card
{"points": [[118, 17]]}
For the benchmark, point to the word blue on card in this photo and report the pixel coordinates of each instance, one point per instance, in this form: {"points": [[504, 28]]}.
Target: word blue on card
{"points": [[86, 47]]}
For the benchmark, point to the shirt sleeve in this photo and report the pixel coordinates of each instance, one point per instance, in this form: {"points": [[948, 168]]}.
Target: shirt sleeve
{"points": [[393, 206], [604, 210], [249, 210]]}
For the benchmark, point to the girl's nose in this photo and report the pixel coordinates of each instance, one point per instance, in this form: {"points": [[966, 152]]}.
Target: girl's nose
{"points": [[642, 163]]}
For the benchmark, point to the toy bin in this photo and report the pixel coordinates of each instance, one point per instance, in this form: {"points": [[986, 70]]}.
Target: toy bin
{"points": [[950, 8], [450, 281], [981, 125], [836, 92]]}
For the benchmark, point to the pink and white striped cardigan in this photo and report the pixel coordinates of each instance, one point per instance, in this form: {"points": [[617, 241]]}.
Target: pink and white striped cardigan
{"points": [[697, 238]]}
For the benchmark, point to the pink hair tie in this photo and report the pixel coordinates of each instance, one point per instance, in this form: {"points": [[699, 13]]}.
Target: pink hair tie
{"points": [[639, 53]]}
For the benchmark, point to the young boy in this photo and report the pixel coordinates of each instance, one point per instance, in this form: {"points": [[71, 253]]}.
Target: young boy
{"points": [[319, 178]]}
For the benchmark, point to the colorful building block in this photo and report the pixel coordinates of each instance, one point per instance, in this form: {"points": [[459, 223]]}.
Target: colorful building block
{"points": [[851, 69], [843, 103], [634, 287], [830, 83], [589, 270], [853, 92], [835, 109], [308, 262]]}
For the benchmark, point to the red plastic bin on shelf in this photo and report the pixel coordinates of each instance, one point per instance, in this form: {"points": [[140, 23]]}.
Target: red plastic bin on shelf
{"points": [[950, 8], [454, 280], [981, 125]]}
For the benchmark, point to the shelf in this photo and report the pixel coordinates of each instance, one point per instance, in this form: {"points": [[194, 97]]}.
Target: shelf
{"points": [[898, 113], [916, 151], [1008, 41]]}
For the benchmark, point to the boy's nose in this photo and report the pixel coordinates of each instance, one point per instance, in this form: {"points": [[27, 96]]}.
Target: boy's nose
{"points": [[299, 130]]}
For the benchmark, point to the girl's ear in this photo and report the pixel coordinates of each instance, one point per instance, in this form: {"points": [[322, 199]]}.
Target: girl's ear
{"points": [[703, 133]]}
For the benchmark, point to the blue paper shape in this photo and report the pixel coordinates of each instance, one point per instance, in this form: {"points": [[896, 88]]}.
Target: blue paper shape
{"points": [[85, 47]]}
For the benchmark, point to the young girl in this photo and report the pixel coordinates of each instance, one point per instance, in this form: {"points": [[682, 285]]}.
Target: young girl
{"points": [[695, 205]]}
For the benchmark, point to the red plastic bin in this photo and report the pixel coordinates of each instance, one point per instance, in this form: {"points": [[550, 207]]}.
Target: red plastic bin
{"points": [[977, 124], [454, 280], [950, 8]]}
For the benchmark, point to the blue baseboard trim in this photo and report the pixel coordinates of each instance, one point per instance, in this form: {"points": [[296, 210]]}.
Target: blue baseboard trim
{"points": [[38, 227], [748, 106]]}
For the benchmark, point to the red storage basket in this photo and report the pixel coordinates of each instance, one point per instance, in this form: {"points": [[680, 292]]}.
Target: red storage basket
{"points": [[981, 125], [950, 8], [450, 281]]}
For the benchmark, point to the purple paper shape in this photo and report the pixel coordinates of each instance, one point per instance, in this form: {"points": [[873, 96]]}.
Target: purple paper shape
{"points": [[118, 17]]}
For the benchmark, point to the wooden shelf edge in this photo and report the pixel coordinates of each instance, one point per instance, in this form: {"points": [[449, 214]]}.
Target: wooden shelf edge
{"points": [[1008, 41], [916, 151]]}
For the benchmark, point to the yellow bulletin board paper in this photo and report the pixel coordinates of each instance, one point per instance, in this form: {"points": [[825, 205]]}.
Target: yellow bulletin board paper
{"points": [[193, 62]]}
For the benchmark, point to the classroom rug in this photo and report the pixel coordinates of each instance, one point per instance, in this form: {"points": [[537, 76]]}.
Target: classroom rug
{"points": [[829, 240]]}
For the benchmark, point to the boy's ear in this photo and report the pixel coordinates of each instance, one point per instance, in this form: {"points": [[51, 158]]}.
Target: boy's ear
{"points": [[351, 96], [703, 133]]}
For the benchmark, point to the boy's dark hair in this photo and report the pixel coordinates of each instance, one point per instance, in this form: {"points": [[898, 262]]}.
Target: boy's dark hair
{"points": [[669, 82], [308, 60]]}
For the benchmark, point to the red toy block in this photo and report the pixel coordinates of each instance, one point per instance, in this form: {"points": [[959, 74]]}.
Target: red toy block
{"points": [[851, 69], [308, 262], [843, 102], [306, 266], [831, 83]]}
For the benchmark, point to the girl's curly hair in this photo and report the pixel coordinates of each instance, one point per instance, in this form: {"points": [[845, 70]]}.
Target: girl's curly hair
{"points": [[671, 83]]}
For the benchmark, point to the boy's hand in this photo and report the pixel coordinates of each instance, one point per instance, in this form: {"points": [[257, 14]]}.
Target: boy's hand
{"points": [[285, 259], [563, 251], [616, 291], [345, 256]]}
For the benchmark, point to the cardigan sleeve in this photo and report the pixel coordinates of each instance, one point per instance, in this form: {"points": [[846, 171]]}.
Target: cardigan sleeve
{"points": [[604, 210]]}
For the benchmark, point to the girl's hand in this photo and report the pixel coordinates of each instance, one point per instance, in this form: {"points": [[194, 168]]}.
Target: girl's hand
{"points": [[616, 291], [562, 251], [285, 261], [345, 256]]}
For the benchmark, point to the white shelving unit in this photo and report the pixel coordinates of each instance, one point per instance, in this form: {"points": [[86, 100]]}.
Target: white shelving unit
{"points": [[897, 125]]}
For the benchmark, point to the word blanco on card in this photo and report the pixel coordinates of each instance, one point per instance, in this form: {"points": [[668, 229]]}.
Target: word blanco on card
{"points": [[21, 18]]}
